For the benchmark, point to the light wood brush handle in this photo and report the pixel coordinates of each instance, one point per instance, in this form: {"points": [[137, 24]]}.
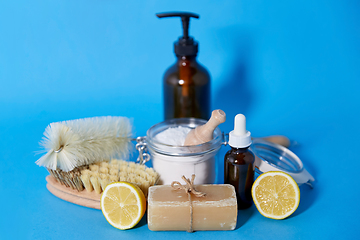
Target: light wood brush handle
{"points": [[278, 139], [83, 198]]}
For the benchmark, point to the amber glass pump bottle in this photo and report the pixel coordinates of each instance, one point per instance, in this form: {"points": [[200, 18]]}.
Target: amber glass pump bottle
{"points": [[186, 84], [239, 163]]}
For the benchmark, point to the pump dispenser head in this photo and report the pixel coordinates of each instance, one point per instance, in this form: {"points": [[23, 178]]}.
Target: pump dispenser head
{"points": [[186, 45], [240, 137]]}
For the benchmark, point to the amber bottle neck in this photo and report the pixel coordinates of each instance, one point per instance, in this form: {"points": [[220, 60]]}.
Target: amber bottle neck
{"points": [[234, 149], [189, 58]]}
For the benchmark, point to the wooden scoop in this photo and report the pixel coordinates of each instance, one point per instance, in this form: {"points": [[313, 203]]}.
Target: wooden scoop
{"points": [[204, 133]]}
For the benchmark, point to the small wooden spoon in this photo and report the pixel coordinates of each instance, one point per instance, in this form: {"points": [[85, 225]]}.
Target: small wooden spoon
{"points": [[278, 139]]}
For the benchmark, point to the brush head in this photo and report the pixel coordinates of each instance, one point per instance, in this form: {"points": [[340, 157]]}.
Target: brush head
{"points": [[75, 143]]}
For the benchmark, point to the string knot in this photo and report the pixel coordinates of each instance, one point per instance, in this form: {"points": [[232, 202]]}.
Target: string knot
{"points": [[189, 188]]}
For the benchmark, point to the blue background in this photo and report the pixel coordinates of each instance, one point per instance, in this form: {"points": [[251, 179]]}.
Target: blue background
{"points": [[292, 67]]}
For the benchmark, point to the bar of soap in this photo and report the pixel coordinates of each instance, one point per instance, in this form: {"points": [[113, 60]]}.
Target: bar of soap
{"points": [[169, 209]]}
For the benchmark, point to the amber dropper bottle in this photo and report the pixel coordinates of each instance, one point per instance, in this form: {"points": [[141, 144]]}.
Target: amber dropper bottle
{"points": [[239, 163], [186, 84]]}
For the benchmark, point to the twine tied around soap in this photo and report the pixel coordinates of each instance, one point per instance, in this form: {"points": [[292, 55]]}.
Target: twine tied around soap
{"points": [[189, 189]]}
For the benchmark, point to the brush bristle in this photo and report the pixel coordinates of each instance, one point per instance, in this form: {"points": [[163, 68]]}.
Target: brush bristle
{"points": [[80, 142], [140, 175], [97, 176]]}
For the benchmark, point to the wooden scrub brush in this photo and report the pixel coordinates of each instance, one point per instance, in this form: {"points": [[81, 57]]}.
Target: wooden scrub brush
{"points": [[95, 177], [98, 176], [73, 146]]}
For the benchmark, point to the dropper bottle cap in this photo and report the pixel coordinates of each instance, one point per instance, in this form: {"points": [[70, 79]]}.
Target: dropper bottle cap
{"points": [[240, 137]]}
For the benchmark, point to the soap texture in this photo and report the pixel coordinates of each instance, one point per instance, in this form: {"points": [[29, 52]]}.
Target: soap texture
{"points": [[169, 209]]}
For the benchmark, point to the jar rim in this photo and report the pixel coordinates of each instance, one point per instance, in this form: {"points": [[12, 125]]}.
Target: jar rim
{"points": [[172, 150]]}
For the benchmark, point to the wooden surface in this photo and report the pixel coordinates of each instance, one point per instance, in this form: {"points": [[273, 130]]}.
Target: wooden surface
{"points": [[83, 198]]}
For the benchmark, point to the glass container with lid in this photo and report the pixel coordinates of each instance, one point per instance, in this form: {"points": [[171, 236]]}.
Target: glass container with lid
{"points": [[171, 162]]}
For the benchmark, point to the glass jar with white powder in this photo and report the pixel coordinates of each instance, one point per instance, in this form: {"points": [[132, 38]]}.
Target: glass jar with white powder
{"points": [[172, 160]]}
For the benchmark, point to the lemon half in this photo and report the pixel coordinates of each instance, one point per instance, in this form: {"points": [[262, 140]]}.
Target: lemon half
{"points": [[276, 195], [123, 204]]}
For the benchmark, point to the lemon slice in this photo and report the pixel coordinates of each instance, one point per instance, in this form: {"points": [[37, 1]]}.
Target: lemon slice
{"points": [[276, 195], [123, 204]]}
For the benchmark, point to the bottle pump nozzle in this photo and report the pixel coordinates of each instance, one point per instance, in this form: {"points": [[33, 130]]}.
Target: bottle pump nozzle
{"points": [[240, 137], [185, 46]]}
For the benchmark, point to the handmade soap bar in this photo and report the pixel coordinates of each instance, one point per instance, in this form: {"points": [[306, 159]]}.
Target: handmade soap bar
{"points": [[169, 209]]}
